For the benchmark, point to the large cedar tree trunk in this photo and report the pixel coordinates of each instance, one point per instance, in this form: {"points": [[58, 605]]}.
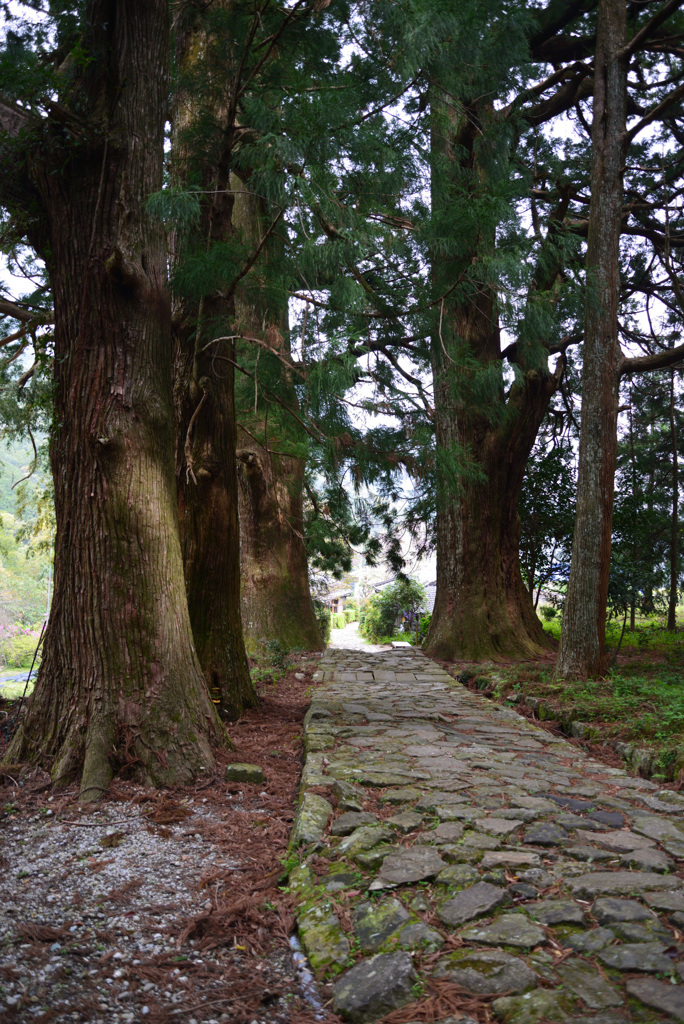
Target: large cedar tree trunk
{"points": [[204, 392], [482, 608], [674, 519], [276, 597], [208, 515], [119, 684], [582, 649]]}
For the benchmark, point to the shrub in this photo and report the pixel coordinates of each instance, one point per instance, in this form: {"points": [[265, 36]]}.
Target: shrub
{"points": [[399, 603], [547, 612], [371, 620], [276, 652], [350, 615], [324, 616], [424, 626], [338, 620], [18, 645]]}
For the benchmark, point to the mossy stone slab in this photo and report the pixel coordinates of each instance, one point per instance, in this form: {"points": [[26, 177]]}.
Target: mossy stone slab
{"points": [[620, 883], [403, 795], [447, 832], [550, 912], [322, 937], [508, 930], [637, 956], [457, 875], [372, 859], [406, 821], [411, 864], [310, 822], [486, 972], [589, 942], [608, 911], [363, 838], [349, 798], [350, 820], [375, 922], [240, 772], [544, 833], [475, 901], [667, 998], [511, 859], [374, 987], [587, 984], [533, 1007], [418, 935]]}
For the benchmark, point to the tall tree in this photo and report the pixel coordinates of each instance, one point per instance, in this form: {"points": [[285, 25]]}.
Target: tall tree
{"points": [[209, 45], [481, 606], [673, 594], [582, 651], [119, 684], [646, 525], [276, 597]]}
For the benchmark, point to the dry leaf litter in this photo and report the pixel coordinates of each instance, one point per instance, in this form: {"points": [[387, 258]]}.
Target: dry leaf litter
{"points": [[159, 907]]}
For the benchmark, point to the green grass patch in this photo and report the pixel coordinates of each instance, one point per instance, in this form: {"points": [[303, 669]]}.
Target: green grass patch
{"points": [[11, 689], [633, 704], [649, 634]]}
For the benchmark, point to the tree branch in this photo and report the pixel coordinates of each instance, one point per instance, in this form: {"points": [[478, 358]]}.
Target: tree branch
{"points": [[649, 28], [18, 312], [656, 112], [657, 361]]}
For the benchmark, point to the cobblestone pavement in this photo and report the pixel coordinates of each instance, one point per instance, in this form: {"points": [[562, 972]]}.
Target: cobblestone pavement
{"points": [[441, 836]]}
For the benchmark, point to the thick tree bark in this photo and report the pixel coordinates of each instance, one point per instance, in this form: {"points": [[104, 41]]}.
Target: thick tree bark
{"points": [[204, 394], [674, 520], [582, 650], [482, 608], [276, 597], [208, 514], [119, 685]]}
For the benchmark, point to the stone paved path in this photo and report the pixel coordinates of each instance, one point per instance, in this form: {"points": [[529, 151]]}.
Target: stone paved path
{"points": [[349, 639], [442, 836]]}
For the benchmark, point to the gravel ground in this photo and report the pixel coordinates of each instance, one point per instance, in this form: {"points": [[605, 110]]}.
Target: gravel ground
{"points": [[157, 906], [94, 905]]}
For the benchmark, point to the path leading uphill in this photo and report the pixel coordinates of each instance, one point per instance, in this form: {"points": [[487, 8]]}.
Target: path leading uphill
{"points": [[454, 855]]}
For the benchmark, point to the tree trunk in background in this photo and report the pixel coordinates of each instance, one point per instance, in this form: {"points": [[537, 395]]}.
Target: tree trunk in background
{"points": [[582, 650], [276, 597], [208, 515], [632, 604], [119, 685], [204, 394], [674, 532], [482, 607]]}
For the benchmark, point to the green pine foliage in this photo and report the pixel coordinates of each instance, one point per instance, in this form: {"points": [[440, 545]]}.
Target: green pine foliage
{"points": [[342, 121]]}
